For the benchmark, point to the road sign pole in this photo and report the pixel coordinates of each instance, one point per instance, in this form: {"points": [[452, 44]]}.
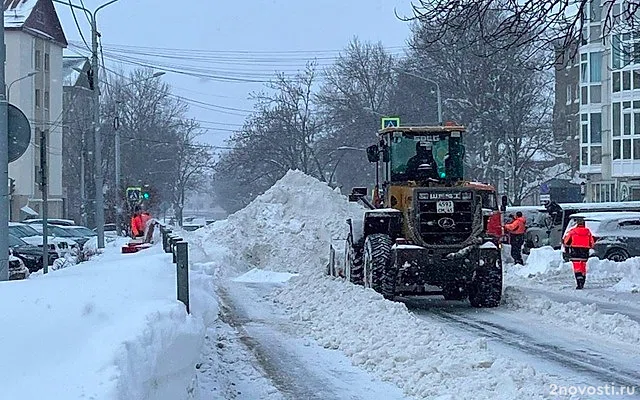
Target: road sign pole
{"points": [[4, 165]]}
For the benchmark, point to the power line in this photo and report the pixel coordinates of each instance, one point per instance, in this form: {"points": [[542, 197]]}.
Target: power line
{"points": [[73, 12]]}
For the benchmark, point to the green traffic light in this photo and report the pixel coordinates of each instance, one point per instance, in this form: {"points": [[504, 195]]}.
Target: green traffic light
{"points": [[145, 195], [443, 175]]}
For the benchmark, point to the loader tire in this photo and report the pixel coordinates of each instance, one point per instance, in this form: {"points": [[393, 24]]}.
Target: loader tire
{"points": [[353, 263], [485, 289], [379, 269]]}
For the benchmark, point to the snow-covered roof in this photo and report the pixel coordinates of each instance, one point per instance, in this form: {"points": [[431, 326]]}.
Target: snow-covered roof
{"points": [[16, 12], [607, 215], [614, 206], [70, 75]]}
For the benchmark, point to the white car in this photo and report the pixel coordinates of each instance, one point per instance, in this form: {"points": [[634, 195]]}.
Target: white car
{"points": [[28, 234]]}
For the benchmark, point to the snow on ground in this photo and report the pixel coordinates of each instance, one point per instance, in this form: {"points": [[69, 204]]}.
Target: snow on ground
{"points": [[586, 311], [258, 275], [574, 314], [110, 328], [290, 228], [545, 266]]}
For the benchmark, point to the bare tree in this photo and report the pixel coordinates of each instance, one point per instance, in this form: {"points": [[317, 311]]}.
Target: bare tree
{"points": [[532, 24], [504, 99], [355, 93], [280, 135], [192, 161]]}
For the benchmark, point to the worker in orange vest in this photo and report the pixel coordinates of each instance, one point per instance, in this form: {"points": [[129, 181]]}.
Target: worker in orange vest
{"points": [[516, 230], [137, 224], [579, 240]]}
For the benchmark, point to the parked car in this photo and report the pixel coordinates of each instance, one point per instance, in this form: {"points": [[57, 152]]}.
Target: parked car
{"points": [[617, 234], [52, 221], [17, 269], [553, 220], [30, 235], [31, 255]]}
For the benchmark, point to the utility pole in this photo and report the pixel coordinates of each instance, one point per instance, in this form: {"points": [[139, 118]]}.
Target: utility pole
{"points": [[116, 126], [4, 165], [44, 185], [83, 196], [99, 180], [98, 177]]}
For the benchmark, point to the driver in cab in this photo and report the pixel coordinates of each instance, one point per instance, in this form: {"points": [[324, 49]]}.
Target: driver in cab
{"points": [[422, 165]]}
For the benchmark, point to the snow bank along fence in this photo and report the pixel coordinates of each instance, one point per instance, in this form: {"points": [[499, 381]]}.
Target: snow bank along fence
{"points": [[174, 244]]}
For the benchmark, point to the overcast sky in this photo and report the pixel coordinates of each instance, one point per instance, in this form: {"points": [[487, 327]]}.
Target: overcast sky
{"points": [[296, 29]]}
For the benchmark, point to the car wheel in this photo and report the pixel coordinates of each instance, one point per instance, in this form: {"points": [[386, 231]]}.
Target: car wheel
{"points": [[617, 255]]}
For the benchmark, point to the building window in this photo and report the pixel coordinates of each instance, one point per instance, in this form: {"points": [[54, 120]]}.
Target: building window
{"points": [[595, 10], [595, 33], [616, 118], [626, 127], [596, 93], [596, 128], [616, 149], [584, 156], [626, 80], [46, 61], [596, 155], [595, 67], [46, 100], [38, 100], [584, 95], [584, 78], [38, 60], [636, 149], [615, 52], [616, 82], [569, 94], [626, 149]]}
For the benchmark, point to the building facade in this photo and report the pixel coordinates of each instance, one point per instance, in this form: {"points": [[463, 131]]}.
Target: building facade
{"points": [[78, 138], [34, 42], [609, 105]]}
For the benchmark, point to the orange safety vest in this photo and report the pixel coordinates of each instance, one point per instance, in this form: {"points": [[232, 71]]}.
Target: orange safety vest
{"points": [[137, 228], [517, 227], [580, 236]]}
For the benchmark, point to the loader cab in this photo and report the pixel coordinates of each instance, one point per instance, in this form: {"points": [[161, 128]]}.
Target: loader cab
{"points": [[419, 154]]}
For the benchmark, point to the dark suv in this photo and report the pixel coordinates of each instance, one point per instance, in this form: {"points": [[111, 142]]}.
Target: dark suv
{"points": [[29, 254]]}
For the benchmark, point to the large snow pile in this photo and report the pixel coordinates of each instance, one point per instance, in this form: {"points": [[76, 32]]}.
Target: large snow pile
{"points": [[289, 228], [105, 329], [544, 261]]}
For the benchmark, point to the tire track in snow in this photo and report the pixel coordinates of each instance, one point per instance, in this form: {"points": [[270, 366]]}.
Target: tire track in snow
{"points": [[588, 362], [286, 373]]}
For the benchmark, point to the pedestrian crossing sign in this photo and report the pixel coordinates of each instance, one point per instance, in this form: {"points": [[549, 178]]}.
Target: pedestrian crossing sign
{"points": [[390, 122]]}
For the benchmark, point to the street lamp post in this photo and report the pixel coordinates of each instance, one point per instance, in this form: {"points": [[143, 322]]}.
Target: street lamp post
{"points": [[438, 93], [29, 75], [99, 179], [116, 126]]}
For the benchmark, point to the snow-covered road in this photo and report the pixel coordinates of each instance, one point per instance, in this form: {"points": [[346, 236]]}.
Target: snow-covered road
{"points": [[576, 357], [277, 363]]}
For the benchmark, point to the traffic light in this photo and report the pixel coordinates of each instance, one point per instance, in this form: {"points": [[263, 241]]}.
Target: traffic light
{"points": [[146, 195]]}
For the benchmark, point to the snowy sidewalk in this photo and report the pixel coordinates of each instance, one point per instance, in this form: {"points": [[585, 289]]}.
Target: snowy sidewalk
{"points": [[269, 360], [105, 329]]}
